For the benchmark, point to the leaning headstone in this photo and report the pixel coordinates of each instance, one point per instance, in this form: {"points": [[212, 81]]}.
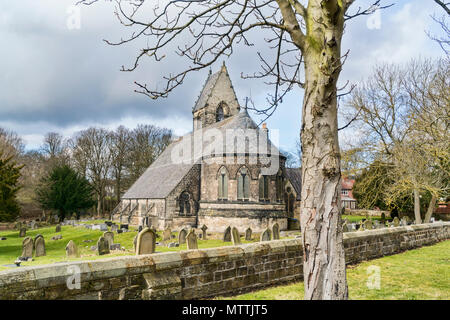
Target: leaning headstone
{"points": [[23, 232], [102, 246], [276, 231], [71, 250], [39, 246], [146, 241], [248, 234], [396, 222], [227, 234], [235, 236], [265, 235], [109, 236], [167, 233], [182, 236], [204, 228], [27, 247], [58, 228], [191, 240]]}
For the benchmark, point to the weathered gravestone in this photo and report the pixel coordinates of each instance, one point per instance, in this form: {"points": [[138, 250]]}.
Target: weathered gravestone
{"points": [[71, 250], [27, 248], [276, 231], [345, 227], [248, 234], [23, 232], [265, 235], [204, 228], [109, 236], [368, 225], [145, 241], [405, 221], [182, 236], [57, 237], [227, 234], [33, 225], [102, 246], [114, 227], [191, 240], [167, 234], [396, 222], [39, 246], [58, 228], [235, 236]]}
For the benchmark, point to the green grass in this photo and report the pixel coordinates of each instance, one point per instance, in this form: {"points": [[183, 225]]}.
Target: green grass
{"points": [[11, 248], [416, 274], [357, 218]]}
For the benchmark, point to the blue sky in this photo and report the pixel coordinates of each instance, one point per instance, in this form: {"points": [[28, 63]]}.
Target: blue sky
{"points": [[58, 79]]}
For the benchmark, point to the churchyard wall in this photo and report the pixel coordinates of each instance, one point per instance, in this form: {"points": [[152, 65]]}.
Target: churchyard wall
{"points": [[201, 273]]}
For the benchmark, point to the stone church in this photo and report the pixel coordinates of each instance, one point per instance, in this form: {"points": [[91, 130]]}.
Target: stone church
{"points": [[225, 172]]}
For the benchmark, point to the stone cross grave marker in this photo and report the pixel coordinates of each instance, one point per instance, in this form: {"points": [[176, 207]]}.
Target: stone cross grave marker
{"points": [[248, 234], [71, 250], [27, 248], [235, 236], [39, 246], [265, 235], [146, 241], [227, 234], [182, 236], [191, 239], [204, 228], [102, 246], [276, 231]]}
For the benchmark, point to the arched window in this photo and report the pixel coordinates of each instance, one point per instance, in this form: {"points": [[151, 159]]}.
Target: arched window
{"points": [[279, 186], [264, 188], [185, 203], [219, 114], [223, 184], [243, 180]]}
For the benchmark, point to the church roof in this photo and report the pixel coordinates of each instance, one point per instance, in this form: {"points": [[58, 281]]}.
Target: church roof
{"points": [[295, 177], [171, 166]]}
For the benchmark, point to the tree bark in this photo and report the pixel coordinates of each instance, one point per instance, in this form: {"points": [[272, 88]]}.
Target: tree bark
{"points": [[430, 209], [323, 250], [417, 207]]}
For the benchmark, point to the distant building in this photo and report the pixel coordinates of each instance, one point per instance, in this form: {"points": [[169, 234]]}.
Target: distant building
{"points": [[348, 201], [442, 212]]}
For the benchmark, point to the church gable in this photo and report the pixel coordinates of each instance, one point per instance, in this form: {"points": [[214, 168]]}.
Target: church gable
{"points": [[217, 100]]}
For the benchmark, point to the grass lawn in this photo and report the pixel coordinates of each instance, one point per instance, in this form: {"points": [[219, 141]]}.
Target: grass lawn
{"points": [[422, 273], [357, 218], [11, 248]]}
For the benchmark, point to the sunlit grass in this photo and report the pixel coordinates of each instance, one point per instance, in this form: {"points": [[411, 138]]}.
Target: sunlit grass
{"points": [[416, 274]]}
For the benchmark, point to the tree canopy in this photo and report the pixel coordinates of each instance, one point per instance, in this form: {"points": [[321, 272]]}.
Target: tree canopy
{"points": [[9, 185]]}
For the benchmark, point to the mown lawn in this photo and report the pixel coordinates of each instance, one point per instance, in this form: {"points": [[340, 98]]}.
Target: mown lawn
{"points": [[357, 218], [420, 274], [11, 248]]}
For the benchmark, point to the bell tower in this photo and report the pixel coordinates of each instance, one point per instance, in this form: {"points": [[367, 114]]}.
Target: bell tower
{"points": [[217, 100]]}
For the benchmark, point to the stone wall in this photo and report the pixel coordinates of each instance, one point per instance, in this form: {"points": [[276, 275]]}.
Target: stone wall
{"points": [[201, 273]]}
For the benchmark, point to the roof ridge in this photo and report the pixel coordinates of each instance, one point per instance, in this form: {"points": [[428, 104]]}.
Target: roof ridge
{"points": [[210, 77]]}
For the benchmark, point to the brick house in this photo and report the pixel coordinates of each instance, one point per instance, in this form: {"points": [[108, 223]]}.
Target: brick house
{"points": [[348, 201]]}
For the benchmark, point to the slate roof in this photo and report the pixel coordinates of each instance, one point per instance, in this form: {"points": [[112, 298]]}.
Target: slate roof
{"points": [[207, 90], [171, 166], [295, 177]]}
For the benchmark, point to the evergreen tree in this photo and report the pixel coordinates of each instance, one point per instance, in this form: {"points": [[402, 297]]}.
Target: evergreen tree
{"points": [[9, 177], [65, 191]]}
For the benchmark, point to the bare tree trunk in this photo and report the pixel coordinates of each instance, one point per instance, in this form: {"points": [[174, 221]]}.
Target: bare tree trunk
{"points": [[430, 209], [417, 207], [323, 250]]}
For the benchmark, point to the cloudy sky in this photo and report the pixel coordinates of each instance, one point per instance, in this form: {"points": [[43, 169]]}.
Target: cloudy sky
{"points": [[55, 77]]}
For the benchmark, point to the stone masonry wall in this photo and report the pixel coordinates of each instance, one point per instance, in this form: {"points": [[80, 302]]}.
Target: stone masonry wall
{"points": [[201, 273]]}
